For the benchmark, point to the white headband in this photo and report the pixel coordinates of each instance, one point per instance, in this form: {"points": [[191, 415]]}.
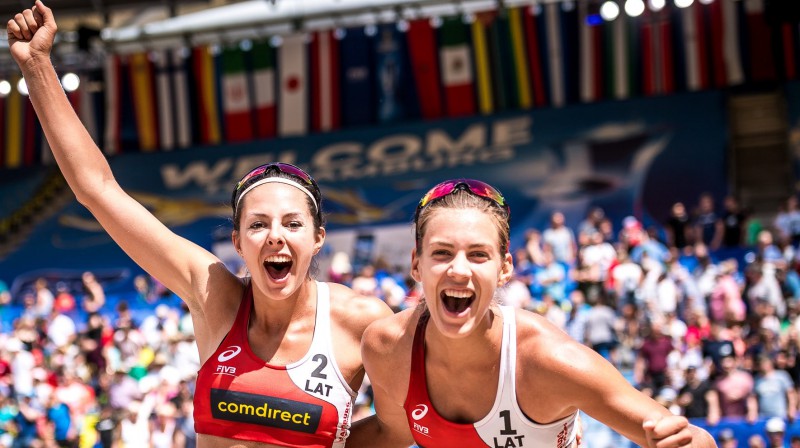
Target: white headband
{"points": [[281, 180]]}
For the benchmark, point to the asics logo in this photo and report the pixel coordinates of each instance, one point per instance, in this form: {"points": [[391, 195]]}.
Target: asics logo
{"points": [[228, 354], [420, 411]]}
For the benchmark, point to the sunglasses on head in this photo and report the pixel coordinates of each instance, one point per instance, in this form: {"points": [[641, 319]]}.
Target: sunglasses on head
{"points": [[269, 170], [476, 187]]}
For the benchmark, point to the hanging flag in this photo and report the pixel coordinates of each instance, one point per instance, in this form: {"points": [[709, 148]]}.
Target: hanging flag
{"points": [[205, 82], [483, 71], [656, 53], [789, 47], [164, 99], [521, 74], [142, 88], [555, 54], [505, 88], [762, 62], [692, 49], [112, 68], [665, 57], [422, 50], [236, 96], [325, 82], [649, 54], [570, 49], [293, 103], [88, 110], [180, 88], [30, 139], [734, 72], [716, 33], [357, 82], [263, 63], [535, 49], [591, 60], [128, 131], [14, 125], [391, 74], [456, 63]]}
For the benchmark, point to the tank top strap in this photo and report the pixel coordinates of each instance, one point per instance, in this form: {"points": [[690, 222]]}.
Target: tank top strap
{"points": [[320, 342], [239, 329], [506, 386], [418, 355]]}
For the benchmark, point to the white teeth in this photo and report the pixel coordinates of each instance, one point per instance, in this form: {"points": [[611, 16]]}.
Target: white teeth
{"points": [[461, 294], [278, 259]]}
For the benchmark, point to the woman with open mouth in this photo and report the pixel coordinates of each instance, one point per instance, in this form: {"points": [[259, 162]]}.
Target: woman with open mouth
{"points": [[481, 374], [280, 351]]}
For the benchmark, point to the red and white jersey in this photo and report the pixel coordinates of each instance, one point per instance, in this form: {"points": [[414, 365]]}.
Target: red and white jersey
{"points": [[505, 426], [304, 404]]}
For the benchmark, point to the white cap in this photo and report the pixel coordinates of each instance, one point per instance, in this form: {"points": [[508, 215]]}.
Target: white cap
{"points": [[775, 424]]}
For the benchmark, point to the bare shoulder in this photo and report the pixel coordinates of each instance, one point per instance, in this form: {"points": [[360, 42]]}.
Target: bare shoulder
{"points": [[392, 335], [386, 351], [355, 311], [551, 349]]}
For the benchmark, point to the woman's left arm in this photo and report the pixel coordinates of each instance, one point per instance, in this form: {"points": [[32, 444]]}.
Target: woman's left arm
{"points": [[586, 381]]}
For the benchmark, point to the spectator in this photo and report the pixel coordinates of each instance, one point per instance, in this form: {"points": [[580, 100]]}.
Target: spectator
{"points": [[774, 391], [734, 223], [595, 261], [651, 363], [626, 279], [26, 422], [725, 302], [600, 329], [693, 396], [591, 224], [678, 228], [64, 300], [727, 439], [732, 394], [366, 283], [93, 295], [58, 414], [578, 314], [560, 239], [776, 432], [787, 221], [44, 298], [707, 224], [552, 277]]}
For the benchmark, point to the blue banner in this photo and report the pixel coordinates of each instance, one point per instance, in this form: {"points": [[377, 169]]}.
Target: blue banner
{"points": [[632, 158]]}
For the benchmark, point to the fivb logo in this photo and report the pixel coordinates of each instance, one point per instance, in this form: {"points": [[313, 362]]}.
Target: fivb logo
{"points": [[225, 356], [418, 413]]}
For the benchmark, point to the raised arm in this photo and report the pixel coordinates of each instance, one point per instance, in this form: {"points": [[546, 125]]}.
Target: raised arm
{"points": [[182, 266]]}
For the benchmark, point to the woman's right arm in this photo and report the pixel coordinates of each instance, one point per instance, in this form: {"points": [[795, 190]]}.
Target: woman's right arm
{"points": [[182, 266]]}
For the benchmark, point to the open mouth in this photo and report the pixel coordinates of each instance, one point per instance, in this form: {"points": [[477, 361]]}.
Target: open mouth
{"points": [[457, 302], [278, 266]]}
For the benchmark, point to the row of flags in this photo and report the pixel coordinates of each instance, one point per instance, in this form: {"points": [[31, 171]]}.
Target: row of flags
{"points": [[548, 55]]}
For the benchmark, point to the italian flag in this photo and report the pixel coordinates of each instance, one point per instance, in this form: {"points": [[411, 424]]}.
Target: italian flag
{"points": [[236, 96]]}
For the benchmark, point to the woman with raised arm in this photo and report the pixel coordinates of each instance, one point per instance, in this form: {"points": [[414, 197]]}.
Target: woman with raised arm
{"points": [[461, 371], [280, 352]]}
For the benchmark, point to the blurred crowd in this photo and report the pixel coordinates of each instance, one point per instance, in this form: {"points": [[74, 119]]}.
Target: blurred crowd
{"points": [[699, 309]]}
